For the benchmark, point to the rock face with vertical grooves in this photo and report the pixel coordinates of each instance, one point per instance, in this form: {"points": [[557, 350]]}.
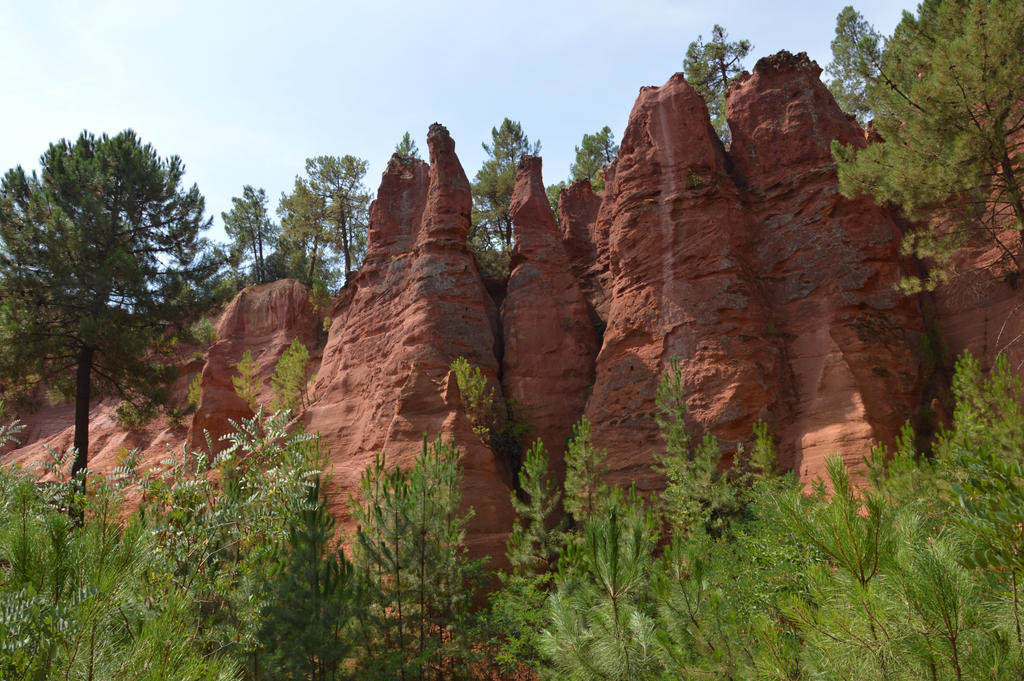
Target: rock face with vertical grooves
{"points": [[678, 236], [577, 213], [263, 320], [829, 266], [417, 303], [550, 340]]}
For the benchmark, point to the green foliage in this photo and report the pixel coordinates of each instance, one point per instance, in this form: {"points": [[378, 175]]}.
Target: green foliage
{"points": [[307, 623], [700, 494], [104, 598], [131, 416], [893, 600], [585, 467], [535, 541], [600, 624], [195, 392], [553, 191], [247, 382], [201, 332], [988, 415], [515, 620], [320, 300], [501, 423], [984, 454], [710, 67], [218, 521], [913, 577], [477, 396], [764, 459], [595, 152], [324, 218], [97, 255], [947, 102], [290, 378], [253, 235], [856, 54], [406, 147], [534, 546], [420, 582], [491, 235]]}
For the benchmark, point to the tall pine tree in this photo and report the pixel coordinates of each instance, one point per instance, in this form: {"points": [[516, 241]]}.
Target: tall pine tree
{"points": [[709, 68], [948, 101], [98, 255]]}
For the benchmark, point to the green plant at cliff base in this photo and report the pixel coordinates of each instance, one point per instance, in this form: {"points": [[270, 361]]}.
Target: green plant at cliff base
{"points": [[290, 378], [409, 546], [309, 623], [195, 392], [585, 466], [247, 382]]}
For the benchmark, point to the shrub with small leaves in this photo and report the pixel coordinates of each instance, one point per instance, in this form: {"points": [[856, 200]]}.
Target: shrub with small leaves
{"points": [[202, 333]]}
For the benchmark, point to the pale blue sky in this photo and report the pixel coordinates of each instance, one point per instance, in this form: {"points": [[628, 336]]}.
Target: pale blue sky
{"points": [[245, 91]]}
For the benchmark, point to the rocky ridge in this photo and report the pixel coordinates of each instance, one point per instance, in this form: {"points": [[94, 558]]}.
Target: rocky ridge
{"points": [[774, 291]]}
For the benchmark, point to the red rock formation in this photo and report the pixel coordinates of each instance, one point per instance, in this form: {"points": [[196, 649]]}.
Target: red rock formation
{"points": [[263, 320], [775, 291], [550, 341], [828, 265], [577, 212], [978, 310], [415, 305], [677, 246]]}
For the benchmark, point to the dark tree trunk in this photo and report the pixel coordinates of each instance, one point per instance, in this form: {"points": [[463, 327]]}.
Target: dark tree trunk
{"points": [[312, 261], [83, 384], [260, 266], [257, 265], [345, 247]]}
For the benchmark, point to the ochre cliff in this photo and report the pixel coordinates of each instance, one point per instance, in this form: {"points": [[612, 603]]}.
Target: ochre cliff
{"points": [[774, 291], [417, 303], [550, 342]]}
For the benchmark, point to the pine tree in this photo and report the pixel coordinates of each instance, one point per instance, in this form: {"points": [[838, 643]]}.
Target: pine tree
{"points": [[949, 105], [553, 191], [247, 381], [585, 467], [406, 147], [409, 543], [98, 255], [290, 378], [856, 53], [594, 153], [710, 67], [251, 231], [536, 540], [326, 216], [312, 599], [700, 496], [601, 627], [491, 234]]}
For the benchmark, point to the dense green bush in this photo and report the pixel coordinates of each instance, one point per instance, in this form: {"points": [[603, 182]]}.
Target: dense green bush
{"points": [[231, 567]]}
